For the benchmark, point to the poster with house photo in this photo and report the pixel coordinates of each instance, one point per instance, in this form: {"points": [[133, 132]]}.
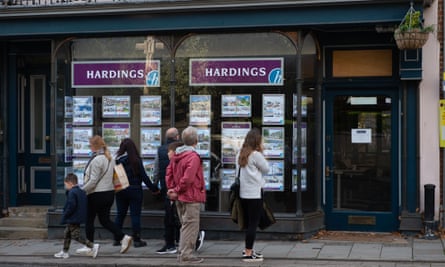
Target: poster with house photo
{"points": [[295, 179], [232, 137], [303, 143], [116, 106], [203, 146], [151, 110], [200, 113], [81, 141], [236, 106], [82, 110], [227, 178], [113, 133], [273, 109], [275, 177], [273, 142], [150, 141]]}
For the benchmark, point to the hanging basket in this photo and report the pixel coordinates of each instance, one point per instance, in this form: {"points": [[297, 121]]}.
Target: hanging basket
{"points": [[412, 39]]}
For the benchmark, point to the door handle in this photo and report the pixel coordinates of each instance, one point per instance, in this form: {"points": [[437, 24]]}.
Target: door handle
{"points": [[328, 171]]}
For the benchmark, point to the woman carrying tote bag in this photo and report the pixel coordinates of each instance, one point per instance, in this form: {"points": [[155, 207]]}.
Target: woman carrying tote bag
{"points": [[252, 166]]}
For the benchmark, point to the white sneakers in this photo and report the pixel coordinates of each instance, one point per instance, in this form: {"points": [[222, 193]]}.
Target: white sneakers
{"points": [[126, 243], [83, 250], [62, 255], [89, 251]]}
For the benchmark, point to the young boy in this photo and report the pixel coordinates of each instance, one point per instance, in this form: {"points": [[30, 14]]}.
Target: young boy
{"points": [[74, 213]]}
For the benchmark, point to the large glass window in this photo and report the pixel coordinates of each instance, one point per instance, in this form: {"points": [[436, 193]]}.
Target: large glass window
{"points": [[222, 112]]}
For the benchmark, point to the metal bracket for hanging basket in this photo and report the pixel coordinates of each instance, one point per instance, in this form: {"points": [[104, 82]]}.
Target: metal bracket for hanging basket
{"points": [[411, 34]]}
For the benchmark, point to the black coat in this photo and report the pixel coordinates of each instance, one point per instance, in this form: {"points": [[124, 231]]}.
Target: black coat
{"points": [[75, 209]]}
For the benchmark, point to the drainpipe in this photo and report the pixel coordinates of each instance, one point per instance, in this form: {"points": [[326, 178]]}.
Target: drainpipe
{"points": [[443, 89], [2, 135]]}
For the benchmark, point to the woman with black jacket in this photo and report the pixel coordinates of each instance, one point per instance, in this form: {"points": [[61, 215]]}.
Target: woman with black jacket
{"points": [[132, 196]]}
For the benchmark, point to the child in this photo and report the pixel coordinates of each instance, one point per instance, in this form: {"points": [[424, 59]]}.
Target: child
{"points": [[74, 213]]}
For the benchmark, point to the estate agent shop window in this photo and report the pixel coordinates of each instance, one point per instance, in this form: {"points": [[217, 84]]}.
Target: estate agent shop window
{"points": [[223, 84]]}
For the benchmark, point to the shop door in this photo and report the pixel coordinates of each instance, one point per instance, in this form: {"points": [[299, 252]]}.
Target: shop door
{"points": [[33, 163], [361, 160]]}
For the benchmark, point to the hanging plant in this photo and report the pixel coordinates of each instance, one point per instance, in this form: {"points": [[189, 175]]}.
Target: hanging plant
{"points": [[411, 34]]}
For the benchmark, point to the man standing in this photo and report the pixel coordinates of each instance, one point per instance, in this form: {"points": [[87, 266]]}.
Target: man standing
{"points": [[171, 228], [185, 183]]}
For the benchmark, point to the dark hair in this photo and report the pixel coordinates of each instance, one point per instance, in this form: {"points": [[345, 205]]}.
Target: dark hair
{"points": [[71, 178], [251, 143], [134, 158], [173, 146]]}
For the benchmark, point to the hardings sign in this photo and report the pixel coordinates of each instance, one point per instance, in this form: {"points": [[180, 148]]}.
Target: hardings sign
{"points": [[115, 73], [236, 71]]}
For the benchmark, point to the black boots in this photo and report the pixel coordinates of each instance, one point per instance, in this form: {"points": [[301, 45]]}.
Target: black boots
{"points": [[137, 241]]}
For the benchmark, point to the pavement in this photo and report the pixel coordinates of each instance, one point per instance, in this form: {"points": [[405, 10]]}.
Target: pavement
{"points": [[396, 252]]}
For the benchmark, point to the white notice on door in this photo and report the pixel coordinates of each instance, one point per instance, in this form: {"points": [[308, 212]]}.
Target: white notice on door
{"points": [[361, 136]]}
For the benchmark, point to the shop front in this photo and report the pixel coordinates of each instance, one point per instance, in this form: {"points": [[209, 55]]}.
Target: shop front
{"points": [[327, 99]]}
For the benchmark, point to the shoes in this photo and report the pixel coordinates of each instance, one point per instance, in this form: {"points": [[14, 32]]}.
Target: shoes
{"points": [[93, 252], [257, 254], [116, 243], [167, 250], [83, 250], [200, 240], [140, 243], [62, 255], [126, 243], [251, 258], [194, 260]]}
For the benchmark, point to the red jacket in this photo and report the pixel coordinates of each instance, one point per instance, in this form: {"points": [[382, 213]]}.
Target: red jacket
{"points": [[186, 177]]}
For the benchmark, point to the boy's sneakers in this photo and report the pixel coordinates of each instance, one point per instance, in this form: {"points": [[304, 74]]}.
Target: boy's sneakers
{"points": [[167, 250], [93, 252], [126, 243], [251, 258], [200, 240], [83, 250], [257, 254], [62, 255]]}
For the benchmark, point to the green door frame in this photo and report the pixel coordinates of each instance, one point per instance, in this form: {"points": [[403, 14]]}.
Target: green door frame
{"points": [[338, 219]]}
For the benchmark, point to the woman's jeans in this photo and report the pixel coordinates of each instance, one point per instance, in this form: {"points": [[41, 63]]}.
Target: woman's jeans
{"points": [[132, 198], [99, 203]]}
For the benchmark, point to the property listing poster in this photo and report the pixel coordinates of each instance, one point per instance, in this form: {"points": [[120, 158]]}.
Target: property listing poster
{"points": [[236, 106], [82, 110], [303, 143], [113, 133], [149, 165], [273, 142], [275, 177], [206, 170], [304, 100], [79, 169], [116, 106], [203, 146], [150, 141], [232, 137], [295, 179], [151, 110], [68, 142], [273, 109], [227, 178], [200, 113], [81, 141], [68, 107]]}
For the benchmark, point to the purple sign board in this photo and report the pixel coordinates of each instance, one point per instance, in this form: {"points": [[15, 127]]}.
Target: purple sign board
{"points": [[236, 71], [115, 74]]}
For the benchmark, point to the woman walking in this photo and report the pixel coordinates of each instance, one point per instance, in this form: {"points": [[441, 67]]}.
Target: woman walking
{"points": [[132, 197], [251, 165], [100, 193]]}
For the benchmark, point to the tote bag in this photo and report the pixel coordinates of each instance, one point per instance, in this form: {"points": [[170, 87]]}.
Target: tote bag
{"points": [[120, 179]]}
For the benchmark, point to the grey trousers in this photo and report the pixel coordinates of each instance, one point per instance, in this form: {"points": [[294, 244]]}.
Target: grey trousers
{"points": [[188, 213]]}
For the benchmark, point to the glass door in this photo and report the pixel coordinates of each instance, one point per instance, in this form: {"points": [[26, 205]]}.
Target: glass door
{"points": [[361, 161]]}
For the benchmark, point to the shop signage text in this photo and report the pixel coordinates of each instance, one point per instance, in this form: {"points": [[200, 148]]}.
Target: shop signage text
{"points": [[115, 73], [236, 71]]}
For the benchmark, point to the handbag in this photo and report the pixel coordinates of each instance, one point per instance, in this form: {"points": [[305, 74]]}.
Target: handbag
{"points": [[267, 218], [120, 179], [234, 188]]}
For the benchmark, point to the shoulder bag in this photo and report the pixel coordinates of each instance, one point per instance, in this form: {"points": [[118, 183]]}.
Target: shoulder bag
{"points": [[120, 179]]}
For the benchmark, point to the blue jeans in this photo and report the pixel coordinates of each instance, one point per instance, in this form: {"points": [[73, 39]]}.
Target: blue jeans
{"points": [[130, 197]]}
